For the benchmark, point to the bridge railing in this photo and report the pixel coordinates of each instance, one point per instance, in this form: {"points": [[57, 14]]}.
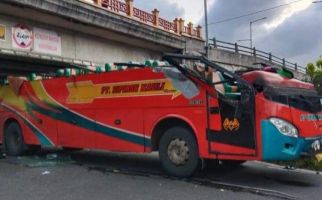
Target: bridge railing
{"points": [[235, 47], [126, 8]]}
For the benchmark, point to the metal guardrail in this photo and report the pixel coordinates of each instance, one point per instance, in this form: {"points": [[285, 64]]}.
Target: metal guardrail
{"points": [[235, 47]]}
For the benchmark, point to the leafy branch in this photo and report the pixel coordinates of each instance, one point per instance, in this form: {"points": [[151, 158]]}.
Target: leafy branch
{"points": [[314, 71]]}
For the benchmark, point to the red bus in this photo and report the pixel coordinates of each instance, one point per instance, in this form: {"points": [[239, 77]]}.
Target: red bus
{"points": [[187, 112]]}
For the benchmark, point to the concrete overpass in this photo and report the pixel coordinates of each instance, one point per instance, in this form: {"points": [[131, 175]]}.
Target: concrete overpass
{"points": [[43, 35], [87, 32]]}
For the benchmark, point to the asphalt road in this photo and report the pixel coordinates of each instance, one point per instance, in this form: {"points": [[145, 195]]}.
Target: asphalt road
{"points": [[101, 175]]}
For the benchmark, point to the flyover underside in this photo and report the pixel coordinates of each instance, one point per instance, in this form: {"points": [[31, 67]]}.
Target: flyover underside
{"points": [[22, 65]]}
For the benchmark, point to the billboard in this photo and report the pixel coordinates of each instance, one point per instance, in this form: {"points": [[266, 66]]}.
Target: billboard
{"points": [[47, 42]]}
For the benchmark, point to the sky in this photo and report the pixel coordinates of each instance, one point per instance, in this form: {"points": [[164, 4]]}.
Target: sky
{"points": [[293, 31]]}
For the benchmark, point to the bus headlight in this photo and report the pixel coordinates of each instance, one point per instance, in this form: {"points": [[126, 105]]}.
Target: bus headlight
{"points": [[284, 127]]}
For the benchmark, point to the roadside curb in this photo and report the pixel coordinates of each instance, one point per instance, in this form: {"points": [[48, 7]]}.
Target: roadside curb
{"points": [[281, 167]]}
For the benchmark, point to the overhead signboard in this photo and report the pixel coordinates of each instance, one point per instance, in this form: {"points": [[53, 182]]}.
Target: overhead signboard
{"points": [[2, 32], [22, 37], [46, 41]]}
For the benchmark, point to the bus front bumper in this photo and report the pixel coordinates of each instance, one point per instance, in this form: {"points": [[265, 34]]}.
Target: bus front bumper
{"points": [[278, 147]]}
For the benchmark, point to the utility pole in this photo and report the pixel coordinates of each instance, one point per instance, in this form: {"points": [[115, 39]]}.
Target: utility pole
{"points": [[206, 26], [251, 30]]}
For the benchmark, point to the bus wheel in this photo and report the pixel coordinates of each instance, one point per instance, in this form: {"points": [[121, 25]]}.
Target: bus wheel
{"points": [[178, 152], [14, 142]]}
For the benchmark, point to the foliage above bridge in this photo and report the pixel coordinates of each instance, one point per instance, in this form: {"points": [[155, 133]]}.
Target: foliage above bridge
{"points": [[315, 73]]}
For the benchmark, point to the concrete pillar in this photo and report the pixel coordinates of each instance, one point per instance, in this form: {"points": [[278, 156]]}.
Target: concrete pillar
{"points": [[129, 7], [190, 28], [181, 26], [254, 52], [199, 31], [214, 42], [156, 15], [236, 47], [177, 24]]}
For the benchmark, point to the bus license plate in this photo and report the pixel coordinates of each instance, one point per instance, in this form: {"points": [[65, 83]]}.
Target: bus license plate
{"points": [[316, 147], [318, 157]]}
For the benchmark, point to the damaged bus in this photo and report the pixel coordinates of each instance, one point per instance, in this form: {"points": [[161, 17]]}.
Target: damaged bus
{"points": [[188, 109]]}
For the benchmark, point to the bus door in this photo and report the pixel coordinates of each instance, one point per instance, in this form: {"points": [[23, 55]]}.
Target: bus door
{"points": [[232, 123]]}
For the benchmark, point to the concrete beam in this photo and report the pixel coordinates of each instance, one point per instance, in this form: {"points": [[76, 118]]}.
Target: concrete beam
{"points": [[232, 58]]}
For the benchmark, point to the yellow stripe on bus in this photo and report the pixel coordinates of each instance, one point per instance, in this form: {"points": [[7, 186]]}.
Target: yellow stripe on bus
{"points": [[86, 91]]}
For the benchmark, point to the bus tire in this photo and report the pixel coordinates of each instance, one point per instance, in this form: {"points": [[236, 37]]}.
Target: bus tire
{"points": [[13, 140], [178, 152]]}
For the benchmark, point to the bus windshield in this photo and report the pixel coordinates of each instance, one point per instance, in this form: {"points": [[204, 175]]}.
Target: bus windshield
{"points": [[180, 81]]}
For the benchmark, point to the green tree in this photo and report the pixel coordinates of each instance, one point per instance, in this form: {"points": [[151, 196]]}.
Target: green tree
{"points": [[314, 71]]}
